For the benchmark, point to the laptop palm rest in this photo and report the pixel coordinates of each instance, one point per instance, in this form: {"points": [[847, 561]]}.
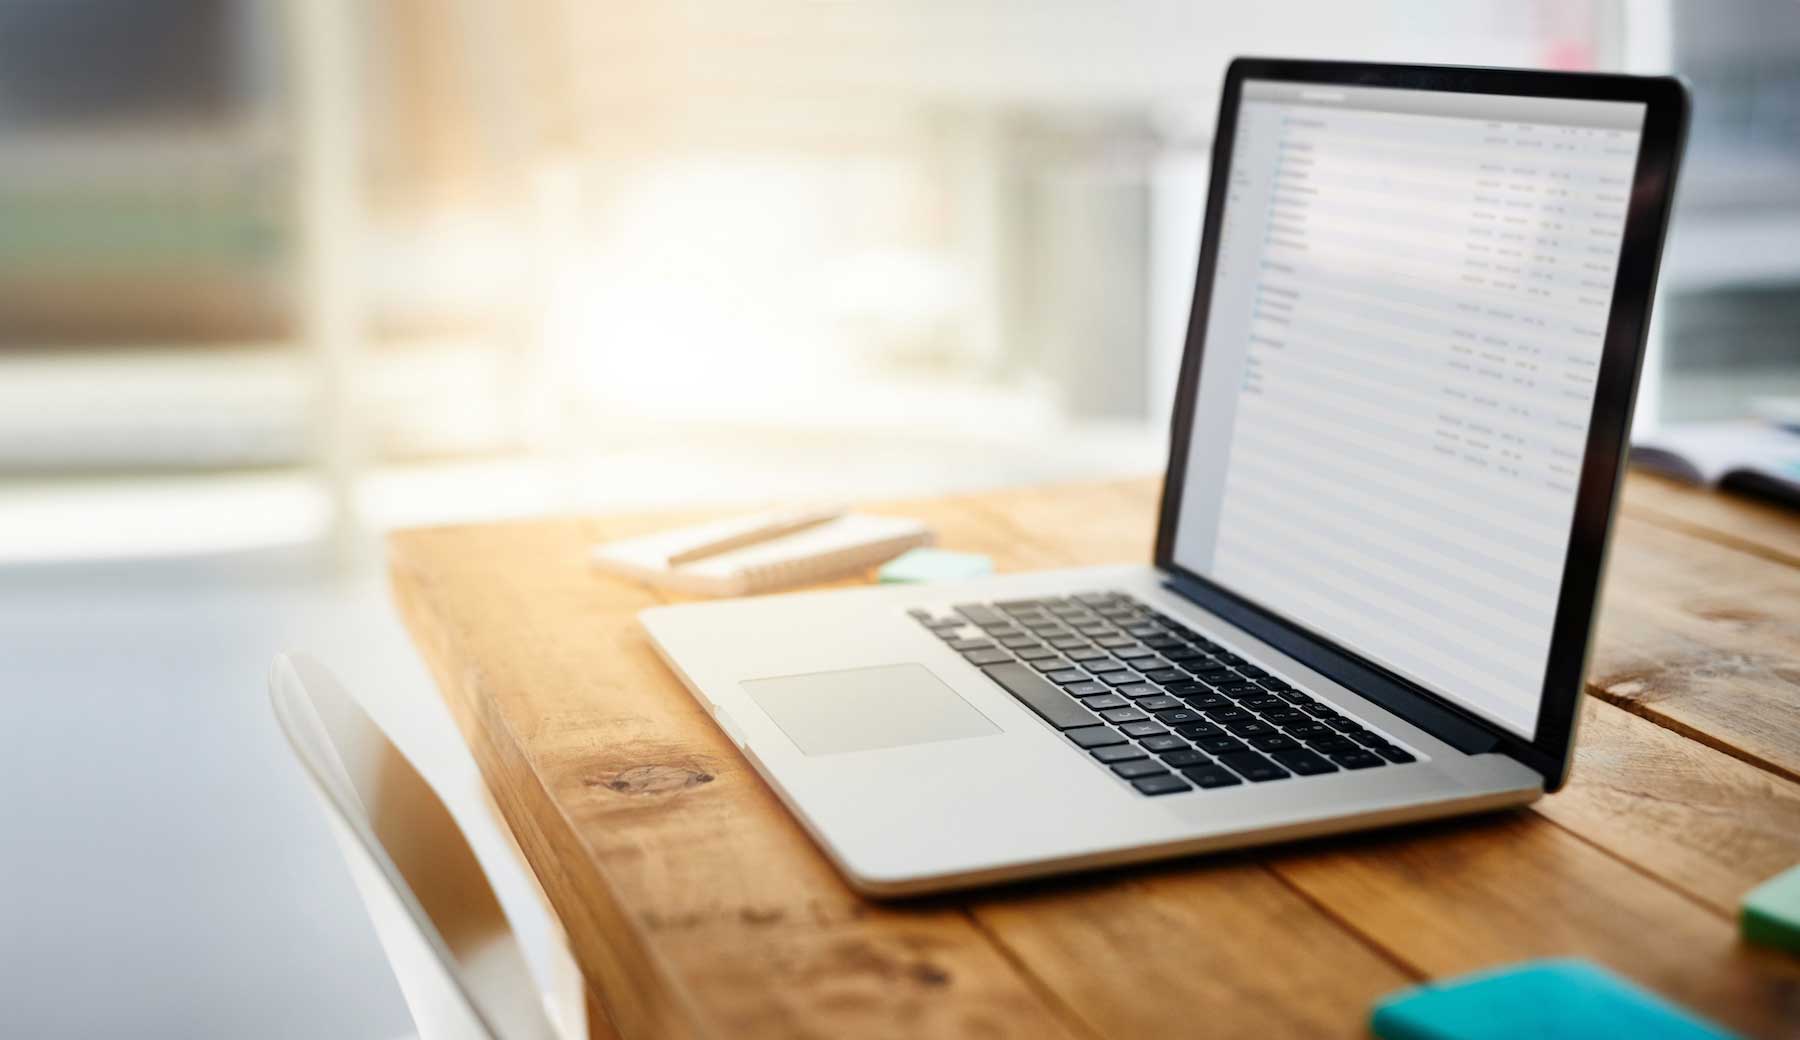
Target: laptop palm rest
{"points": [[861, 709]]}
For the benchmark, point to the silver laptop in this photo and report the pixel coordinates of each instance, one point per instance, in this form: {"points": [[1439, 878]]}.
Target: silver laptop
{"points": [[1417, 325]]}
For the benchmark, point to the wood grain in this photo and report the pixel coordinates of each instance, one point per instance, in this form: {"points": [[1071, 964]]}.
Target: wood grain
{"points": [[1704, 639], [1452, 898], [697, 907], [1750, 524], [1703, 821]]}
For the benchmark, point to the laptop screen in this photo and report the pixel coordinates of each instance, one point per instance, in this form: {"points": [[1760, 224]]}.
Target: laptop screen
{"points": [[1408, 309]]}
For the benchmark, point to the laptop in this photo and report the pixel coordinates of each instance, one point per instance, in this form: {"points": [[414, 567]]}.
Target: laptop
{"points": [[1417, 325]]}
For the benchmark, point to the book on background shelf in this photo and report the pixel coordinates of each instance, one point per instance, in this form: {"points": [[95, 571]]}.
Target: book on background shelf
{"points": [[1755, 457]]}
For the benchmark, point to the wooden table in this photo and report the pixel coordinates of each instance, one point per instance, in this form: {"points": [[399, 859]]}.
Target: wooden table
{"points": [[697, 907]]}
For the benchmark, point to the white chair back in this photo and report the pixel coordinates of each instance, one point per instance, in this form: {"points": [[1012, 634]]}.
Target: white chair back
{"points": [[454, 954]]}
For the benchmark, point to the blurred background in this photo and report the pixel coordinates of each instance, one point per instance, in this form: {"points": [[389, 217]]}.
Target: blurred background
{"points": [[278, 276]]}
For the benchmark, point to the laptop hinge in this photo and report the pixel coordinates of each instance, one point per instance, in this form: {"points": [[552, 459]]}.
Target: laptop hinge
{"points": [[1446, 724]]}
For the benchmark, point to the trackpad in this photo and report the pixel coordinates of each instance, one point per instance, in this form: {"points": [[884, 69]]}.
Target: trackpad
{"points": [[860, 709]]}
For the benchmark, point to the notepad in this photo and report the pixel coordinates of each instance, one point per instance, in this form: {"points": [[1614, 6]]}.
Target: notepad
{"points": [[1545, 1000], [812, 549]]}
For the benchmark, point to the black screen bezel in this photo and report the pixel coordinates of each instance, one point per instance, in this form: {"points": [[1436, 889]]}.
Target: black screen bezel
{"points": [[1665, 124]]}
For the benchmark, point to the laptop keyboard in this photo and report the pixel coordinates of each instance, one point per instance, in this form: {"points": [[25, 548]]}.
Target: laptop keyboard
{"points": [[1156, 703]]}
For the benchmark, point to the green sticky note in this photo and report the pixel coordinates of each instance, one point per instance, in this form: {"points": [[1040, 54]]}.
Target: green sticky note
{"points": [[1770, 914], [916, 565], [1546, 1000]]}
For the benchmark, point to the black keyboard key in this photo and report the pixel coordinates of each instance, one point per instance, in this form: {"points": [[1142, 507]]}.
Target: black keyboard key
{"points": [[1054, 706], [1305, 763], [1116, 642], [1272, 684], [1144, 631], [1165, 675], [1239, 689], [1252, 766], [1119, 716], [1251, 727], [1184, 658], [1261, 705], [1220, 745], [987, 656], [1274, 742], [1139, 730], [1095, 736], [1199, 730], [1357, 760], [1065, 676], [1333, 746], [1367, 738], [1211, 776], [1168, 783], [1035, 653], [1309, 730], [1163, 703], [1118, 753], [1164, 742], [1119, 678], [1164, 643], [1282, 718], [1105, 703], [1398, 756], [1088, 653], [960, 645], [1179, 716], [1141, 689], [1227, 657], [1086, 689], [1105, 666], [1228, 714], [1139, 767], [1050, 664], [1347, 726], [1184, 758], [1187, 686], [1134, 653], [1206, 701], [1252, 671]]}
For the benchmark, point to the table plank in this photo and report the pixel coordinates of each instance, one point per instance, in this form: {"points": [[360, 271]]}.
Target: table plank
{"points": [[1704, 639], [1450, 898], [1698, 819], [1752, 525], [1186, 942]]}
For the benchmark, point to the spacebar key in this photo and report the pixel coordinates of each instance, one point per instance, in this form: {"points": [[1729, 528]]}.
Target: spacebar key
{"points": [[1058, 708]]}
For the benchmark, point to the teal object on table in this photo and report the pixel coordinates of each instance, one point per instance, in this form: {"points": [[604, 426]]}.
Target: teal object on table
{"points": [[917, 565], [1770, 914], [1545, 1000]]}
